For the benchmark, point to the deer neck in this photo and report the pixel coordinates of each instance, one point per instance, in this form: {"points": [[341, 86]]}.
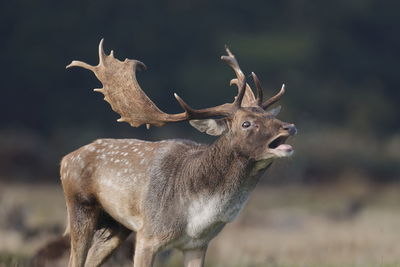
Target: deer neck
{"points": [[221, 167]]}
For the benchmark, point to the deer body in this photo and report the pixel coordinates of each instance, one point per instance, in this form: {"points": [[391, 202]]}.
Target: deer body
{"points": [[130, 180], [171, 193]]}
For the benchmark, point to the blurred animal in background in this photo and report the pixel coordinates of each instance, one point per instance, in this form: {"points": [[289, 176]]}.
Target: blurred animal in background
{"points": [[171, 193], [52, 252], [56, 251]]}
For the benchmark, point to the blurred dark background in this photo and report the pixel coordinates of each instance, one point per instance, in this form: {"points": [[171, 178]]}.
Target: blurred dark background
{"points": [[338, 59]]}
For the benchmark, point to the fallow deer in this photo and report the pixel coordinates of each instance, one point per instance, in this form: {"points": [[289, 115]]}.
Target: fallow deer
{"points": [[171, 193]]}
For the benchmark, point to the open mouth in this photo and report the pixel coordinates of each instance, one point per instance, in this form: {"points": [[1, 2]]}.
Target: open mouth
{"points": [[278, 141], [278, 144]]}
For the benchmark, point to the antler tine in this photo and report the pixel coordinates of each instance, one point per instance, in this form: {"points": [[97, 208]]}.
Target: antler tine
{"points": [[188, 110], [274, 99], [232, 61], [259, 89], [102, 55], [77, 63], [242, 90]]}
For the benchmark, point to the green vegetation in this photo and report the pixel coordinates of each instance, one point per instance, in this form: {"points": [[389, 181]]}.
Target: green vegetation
{"points": [[13, 259]]}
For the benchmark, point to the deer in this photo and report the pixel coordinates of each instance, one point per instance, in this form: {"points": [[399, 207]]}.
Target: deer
{"points": [[171, 193]]}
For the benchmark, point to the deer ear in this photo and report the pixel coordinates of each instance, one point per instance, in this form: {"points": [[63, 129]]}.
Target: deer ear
{"points": [[210, 126], [275, 111]]}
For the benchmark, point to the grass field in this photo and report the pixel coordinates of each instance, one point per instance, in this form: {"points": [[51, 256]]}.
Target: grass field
{"points": [[287, 226]]}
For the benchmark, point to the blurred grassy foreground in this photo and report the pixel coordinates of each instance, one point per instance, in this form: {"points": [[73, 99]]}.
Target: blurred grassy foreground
{"points": [[286, 226]]}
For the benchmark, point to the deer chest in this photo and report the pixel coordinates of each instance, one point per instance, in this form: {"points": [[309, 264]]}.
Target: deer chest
{"points": [[207, 213]]}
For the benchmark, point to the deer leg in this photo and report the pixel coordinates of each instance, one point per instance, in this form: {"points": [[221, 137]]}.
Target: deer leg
{"points": [[106, 240], [145, 252], [194, 258], [83, 222]]}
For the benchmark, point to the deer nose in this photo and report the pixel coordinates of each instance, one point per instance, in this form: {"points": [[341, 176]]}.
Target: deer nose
{"points": [[290, 128]]}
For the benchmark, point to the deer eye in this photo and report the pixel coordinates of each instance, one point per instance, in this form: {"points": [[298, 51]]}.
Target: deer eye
{"points": [[246, 124]]}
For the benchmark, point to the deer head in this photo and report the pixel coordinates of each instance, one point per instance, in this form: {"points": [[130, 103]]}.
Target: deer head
{"points": [[251, 129], [256, 132]]}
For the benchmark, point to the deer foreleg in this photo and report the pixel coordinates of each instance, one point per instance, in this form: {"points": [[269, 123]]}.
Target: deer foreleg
{"points": [[83, 222], [145, 252], [194, 258]]}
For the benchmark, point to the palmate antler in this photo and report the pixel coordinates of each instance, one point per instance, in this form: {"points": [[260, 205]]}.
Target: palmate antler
{"points": [[122, 90]]}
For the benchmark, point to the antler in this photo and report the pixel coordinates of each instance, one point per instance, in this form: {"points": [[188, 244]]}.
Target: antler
{"points": [[123, 92], [249, 99]]}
